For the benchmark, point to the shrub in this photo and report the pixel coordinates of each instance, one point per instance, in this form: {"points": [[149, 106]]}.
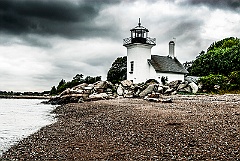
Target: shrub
{"points": [[214, 83], [234, 81], [164, 80]]}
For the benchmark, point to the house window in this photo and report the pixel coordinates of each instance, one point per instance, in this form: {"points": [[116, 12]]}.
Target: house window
{"points": [[131, 66]]}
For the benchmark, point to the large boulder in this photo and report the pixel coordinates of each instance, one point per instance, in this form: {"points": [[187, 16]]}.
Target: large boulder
{"points": [[160, 89], [169, 90], [194, 87], [148, 90], [101, 86], [126, 83], [174, 84], [191, 79], [185, 90], [120, 90], [79, 91], [79, 87], [128, 94], [182, 85], [66, 92], [98, 96]]}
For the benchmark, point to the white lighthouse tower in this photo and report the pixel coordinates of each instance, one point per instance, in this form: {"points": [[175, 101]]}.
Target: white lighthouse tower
{"points": [[138, 53]]}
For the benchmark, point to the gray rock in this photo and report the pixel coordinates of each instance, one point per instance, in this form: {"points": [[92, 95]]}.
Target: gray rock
{"points": [[174, 84], [191, 79], [186, 89], [109, 90], [217, 87], [99, 84], [103, 84], [169, 90], [182, 85], [126, 83], [88, 88], [200, 85], [148, 90], [152, 99], [194, 87], [80, 100], [80, 86], [169, 100], [66, 92], [120, 90], [129, 94], [154, 95], [174, 93], [160, 89], [76, 91], [165, 87], [98, 96]]}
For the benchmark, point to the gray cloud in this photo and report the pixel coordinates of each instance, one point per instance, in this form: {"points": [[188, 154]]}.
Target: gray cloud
{"points": [[44, 41], [229, 4], [72, 19]]}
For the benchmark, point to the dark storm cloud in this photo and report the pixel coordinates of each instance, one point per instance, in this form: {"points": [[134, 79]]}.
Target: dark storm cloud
{"points": [[64, 18], [185, 28], [229, 4]]}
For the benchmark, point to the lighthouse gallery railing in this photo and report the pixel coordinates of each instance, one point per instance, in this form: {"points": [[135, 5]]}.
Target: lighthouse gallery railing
{"points": [[129, 40]]}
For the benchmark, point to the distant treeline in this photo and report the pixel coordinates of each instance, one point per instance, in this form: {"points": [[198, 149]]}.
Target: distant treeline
{"points": [[11, 93]]}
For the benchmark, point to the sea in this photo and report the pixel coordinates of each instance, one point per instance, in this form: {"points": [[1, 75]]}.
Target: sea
{"points": [[21, 117]]}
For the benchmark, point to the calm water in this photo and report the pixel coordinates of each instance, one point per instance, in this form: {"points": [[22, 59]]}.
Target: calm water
{"points": [[20, 118]]}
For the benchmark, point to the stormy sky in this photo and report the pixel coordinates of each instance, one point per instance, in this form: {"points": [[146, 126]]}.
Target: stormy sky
{"points": [[44, 41]]}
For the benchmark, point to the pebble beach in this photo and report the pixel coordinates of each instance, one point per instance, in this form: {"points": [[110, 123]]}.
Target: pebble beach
{"points": [[194, 127]]}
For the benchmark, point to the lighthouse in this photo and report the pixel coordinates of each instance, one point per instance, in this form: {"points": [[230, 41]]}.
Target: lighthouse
{"points": [[142, 65], [139, 47]]}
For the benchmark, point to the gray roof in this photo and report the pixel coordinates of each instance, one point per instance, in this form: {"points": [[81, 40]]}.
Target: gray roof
{"points": [[166, 64]]}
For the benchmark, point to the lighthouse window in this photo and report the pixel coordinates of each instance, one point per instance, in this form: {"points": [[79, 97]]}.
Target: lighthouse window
{"points": [[131, 66], [139, 33]]}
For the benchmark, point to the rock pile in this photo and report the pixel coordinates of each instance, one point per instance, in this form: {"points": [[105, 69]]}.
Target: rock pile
{"points": [[106, 90]]}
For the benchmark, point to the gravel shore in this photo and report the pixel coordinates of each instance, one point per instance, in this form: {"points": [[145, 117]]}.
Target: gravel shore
{"points": [[190, 128]]}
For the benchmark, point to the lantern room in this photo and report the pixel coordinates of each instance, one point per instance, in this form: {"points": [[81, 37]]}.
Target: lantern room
{"points": [[139, 34]]}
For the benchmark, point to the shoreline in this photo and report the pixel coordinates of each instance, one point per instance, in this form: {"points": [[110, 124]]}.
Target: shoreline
{"points": [[24, 97], [192, 127]]}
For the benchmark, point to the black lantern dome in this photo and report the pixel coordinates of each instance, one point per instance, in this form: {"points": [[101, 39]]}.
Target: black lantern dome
{"points": [[139, 34]]}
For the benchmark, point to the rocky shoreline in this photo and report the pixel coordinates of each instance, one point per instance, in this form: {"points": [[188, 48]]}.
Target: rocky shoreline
{"points": [[102, 90], [202, 127]]}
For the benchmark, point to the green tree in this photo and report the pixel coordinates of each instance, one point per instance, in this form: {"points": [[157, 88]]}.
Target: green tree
{"points": [[118, 70], [222, 57], [91, 80], [78, 77], [53, 91], [61, 86]]}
